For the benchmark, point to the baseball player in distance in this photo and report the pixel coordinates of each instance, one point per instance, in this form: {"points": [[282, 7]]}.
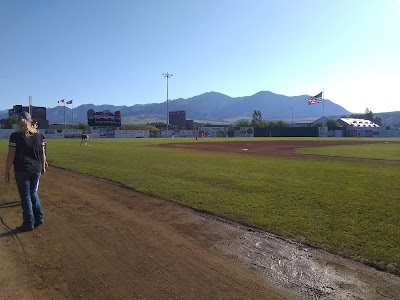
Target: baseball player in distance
{"points": [[84, 139]]}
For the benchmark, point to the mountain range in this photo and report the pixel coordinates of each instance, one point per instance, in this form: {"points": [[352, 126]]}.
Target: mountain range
{"points": [[213, 107]]}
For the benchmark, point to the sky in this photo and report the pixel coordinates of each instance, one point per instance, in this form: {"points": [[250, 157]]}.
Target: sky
{"points": [[115, 51]]}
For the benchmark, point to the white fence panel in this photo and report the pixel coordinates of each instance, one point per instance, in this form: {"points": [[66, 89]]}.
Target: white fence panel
{"points": [[132, 133]]}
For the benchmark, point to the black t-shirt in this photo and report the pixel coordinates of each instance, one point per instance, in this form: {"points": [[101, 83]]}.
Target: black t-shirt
{"points": [[43, 137], [28, 152]]}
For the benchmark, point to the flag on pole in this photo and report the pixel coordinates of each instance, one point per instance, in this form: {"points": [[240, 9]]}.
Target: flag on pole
{"points": [[69, 102], [60, 101], [315, 99]]}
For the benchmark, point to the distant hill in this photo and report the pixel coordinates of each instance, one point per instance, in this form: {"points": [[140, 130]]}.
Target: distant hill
{"points": [[214, 107], [389, 118]]}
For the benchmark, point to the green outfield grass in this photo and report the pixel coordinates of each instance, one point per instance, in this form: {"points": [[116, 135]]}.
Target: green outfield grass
{"points": [[350, 207]]}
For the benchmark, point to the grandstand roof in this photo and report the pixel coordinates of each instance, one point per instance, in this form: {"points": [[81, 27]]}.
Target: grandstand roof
{"points": [[359, 122]]}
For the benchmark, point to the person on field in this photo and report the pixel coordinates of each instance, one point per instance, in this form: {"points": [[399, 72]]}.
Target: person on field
{"points": [[26, 153], [84, 139], [35, 125]]}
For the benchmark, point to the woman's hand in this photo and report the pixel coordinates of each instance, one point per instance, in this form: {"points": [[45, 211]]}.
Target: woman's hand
{"points": [[7, 177], [44, 167]]}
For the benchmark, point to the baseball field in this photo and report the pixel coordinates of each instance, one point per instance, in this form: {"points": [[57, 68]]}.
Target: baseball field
{"points": [[108, 223], [346, 206]]}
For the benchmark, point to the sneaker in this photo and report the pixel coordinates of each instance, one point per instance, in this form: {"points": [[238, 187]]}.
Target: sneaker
{"points": [[38, 223]]}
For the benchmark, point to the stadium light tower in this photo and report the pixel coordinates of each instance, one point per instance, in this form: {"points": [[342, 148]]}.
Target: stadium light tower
{"points": [[167, 75]]}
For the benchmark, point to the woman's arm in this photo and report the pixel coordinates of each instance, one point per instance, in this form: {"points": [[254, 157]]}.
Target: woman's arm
{"points": [[43, 159], [9, 163]]}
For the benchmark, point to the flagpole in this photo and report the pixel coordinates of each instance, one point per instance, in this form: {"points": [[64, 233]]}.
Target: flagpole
{"points": [[30, 105], [65, 123], [323, 103], [72, 102]]}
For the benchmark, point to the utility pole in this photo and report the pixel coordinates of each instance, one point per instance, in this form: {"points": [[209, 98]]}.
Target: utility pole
{"points": [[292, 114], [167, 75], [30, 106]]}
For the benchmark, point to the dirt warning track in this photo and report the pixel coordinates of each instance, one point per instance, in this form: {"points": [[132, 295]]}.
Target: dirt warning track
{"points": [[103, 241]]}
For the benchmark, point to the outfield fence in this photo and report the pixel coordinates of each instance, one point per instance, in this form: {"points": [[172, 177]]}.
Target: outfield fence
{"points": [[211, 132]]}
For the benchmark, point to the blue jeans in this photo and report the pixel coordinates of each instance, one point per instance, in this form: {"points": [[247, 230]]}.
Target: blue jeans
{"points": [[27, 184]]}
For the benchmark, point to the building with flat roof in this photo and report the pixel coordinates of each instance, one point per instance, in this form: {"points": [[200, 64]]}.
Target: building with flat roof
{"points": [[177, 121], [37, 112], [303, 121]]}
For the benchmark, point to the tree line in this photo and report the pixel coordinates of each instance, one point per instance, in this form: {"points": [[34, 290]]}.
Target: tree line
{"points": [[256, 121]]}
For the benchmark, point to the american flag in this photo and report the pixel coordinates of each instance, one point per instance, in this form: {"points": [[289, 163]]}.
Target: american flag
{"points": [[60, 101], [315, 99]]}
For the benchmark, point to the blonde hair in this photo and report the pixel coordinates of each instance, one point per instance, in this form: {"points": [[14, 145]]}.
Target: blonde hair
{"points": [[26, 127]]}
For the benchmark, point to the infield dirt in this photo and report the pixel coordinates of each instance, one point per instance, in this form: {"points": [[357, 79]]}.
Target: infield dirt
{"points": [[286, 148], [103, 241]]}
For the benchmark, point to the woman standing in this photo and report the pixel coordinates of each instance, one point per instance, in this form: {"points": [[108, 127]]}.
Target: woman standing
{"points": [[26, 153]]}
